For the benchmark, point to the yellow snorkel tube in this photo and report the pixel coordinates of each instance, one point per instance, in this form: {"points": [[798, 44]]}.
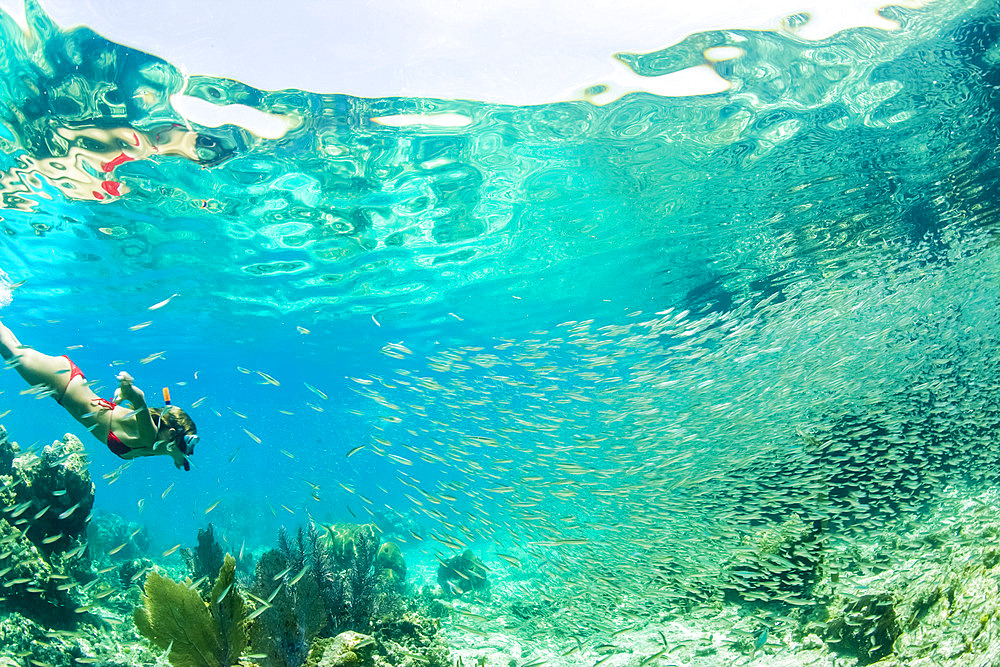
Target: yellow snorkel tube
{"points": [[166, 396]]}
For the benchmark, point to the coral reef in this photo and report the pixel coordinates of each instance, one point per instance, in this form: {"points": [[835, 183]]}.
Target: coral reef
{"points": [[56, 609], [196, 633], [46, 501], [320, 585], [31, 583], [24, 640], [67, 596], [348, 587], [228, 610], [408, 638], [946, 599], [462, 574], [295, 615], [8, 450], [323, 583], [49, 495]]}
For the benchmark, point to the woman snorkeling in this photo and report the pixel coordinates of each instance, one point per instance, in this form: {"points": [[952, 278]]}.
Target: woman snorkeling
{"points": [[129, 433]]}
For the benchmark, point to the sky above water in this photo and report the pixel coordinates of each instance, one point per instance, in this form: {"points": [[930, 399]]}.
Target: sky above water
{"points": [[509, 51]]}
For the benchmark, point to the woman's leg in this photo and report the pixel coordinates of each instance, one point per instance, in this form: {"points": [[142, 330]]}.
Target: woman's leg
{"points": [[36, 368], [8, 342]]}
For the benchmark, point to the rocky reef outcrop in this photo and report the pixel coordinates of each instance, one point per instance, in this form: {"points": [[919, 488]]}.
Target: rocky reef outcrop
{"points": [[46, 499], [50, 493]]}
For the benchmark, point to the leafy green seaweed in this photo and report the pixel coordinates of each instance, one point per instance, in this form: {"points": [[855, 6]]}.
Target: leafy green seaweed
{"points": [[175, 617]]}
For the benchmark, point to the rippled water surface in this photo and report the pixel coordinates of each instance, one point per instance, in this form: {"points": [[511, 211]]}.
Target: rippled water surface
{"points": [[615, 341]]}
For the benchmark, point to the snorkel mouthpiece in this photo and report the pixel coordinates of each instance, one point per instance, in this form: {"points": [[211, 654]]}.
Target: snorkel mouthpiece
{"points": [[186, 443]]}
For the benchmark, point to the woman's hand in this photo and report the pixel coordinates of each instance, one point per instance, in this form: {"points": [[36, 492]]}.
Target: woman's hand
{"points": [[127, 391], [180, 460]]}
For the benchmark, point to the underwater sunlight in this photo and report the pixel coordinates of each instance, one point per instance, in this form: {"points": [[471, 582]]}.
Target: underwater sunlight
{"points": [[647, 377]]}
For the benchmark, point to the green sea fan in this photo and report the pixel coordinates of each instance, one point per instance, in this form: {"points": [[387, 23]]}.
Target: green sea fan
{"points": [[174, 616], [229, 611]]}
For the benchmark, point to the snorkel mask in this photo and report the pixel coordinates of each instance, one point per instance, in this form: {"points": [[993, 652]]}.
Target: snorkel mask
{"points": [[190, 440]]}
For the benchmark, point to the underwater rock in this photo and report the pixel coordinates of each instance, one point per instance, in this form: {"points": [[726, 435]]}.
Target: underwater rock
{"points": [[867, 629], [132, 569], [464, 573], [944, 590], [348, 649], [25, 641], [53, 494], [23, 637], [389, 564], [31, 584], [47, 499], [781, 567], [949, 611]]}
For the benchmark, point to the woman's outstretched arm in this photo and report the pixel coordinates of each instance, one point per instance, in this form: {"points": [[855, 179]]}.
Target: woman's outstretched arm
{"points": [[129, 392]]}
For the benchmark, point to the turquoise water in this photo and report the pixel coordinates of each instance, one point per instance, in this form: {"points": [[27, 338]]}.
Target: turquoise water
{"points": [[609, 341]]}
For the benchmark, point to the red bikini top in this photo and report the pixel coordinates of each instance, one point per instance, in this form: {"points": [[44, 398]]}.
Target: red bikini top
{"points": [[114, 444]]}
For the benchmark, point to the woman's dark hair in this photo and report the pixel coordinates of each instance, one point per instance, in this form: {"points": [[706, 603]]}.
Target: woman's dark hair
{"points": [[175, 418]]}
